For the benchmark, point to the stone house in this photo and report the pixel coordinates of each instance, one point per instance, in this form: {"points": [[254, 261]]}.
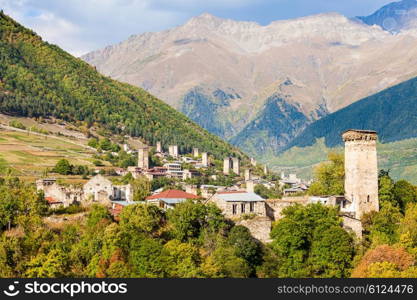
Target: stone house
{"points": [[237, 203], [170, 198]]}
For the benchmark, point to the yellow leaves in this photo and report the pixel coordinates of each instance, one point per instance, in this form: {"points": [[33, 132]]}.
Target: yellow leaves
{"points": [[383, 270]]}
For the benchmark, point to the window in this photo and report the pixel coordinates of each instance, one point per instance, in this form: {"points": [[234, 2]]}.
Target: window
{"points": [[242, 207], [252, 207], [368, 199], [234, 208]]}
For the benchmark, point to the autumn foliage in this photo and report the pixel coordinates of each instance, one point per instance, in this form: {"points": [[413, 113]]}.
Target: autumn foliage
{"points": [[389, 259]]}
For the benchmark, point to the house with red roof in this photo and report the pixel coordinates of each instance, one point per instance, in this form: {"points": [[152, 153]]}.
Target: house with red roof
{"points": [[53, 203], [169, 198]]}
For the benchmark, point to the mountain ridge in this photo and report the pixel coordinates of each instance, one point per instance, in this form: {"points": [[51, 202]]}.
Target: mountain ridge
{"points": [[328, 60]]}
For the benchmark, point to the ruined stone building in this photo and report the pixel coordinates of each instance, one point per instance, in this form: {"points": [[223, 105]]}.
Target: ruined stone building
{"points": [[97, 190], [59, 195]]}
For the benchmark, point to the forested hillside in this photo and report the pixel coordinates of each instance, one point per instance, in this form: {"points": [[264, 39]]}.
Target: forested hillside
{"points": [[392, 113], [38, 79]]}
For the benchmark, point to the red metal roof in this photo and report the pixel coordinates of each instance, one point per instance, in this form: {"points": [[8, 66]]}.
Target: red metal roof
{"points": [[175, 194], [51, 200]]}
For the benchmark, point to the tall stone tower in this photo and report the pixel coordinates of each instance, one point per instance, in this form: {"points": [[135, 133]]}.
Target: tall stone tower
{"points": [[159, 147], [361, 171], [204, 159], [143, 158], [226, 166]]}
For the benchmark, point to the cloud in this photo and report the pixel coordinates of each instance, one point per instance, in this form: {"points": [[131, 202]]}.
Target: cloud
{"points": [[80, 26]]}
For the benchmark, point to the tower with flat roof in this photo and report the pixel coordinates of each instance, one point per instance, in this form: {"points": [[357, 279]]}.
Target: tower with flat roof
{"points": [[361, 170]]}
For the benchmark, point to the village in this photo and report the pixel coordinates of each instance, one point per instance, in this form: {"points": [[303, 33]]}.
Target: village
{"points": [[238, 200]]}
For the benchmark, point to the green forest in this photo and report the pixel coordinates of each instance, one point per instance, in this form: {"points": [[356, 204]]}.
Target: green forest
{"points": [[38, 79]]}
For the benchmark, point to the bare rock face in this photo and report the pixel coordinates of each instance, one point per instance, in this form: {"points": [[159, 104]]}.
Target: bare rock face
{"points": [[221, 72]]}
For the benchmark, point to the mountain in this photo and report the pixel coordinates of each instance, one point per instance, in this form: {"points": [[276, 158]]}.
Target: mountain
{"points": [[266, 131], [392, 113], [223, 73], [394, 17], [41, 80]]}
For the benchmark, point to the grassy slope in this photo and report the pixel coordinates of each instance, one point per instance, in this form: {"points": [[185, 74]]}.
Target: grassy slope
{"points": [[30, 154], [400, 157]]}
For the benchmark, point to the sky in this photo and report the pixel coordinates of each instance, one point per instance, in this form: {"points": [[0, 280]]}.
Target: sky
{"points": [[81, 26]]}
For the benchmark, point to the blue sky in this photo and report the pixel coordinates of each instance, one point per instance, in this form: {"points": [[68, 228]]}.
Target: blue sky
{"points": [[80, 26]]}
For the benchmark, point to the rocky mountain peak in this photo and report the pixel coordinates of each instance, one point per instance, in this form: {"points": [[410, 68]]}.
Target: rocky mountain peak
{"points": [[394, 17]]}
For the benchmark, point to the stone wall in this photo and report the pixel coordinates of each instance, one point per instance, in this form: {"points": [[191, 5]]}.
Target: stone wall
{"points": [[274, 208], [61, 193], [353, 225], [259, 227]]}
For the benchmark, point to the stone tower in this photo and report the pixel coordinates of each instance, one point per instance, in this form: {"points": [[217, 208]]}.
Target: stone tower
{"points": [[247, 175], [361, 171], [236, 165], [143, 158], [159, 147], [173, 151], [204, 159], [250, 186], [226, 166]]}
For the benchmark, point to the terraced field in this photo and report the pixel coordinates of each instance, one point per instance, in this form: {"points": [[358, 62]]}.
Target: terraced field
{"points": [[29, 154]]}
